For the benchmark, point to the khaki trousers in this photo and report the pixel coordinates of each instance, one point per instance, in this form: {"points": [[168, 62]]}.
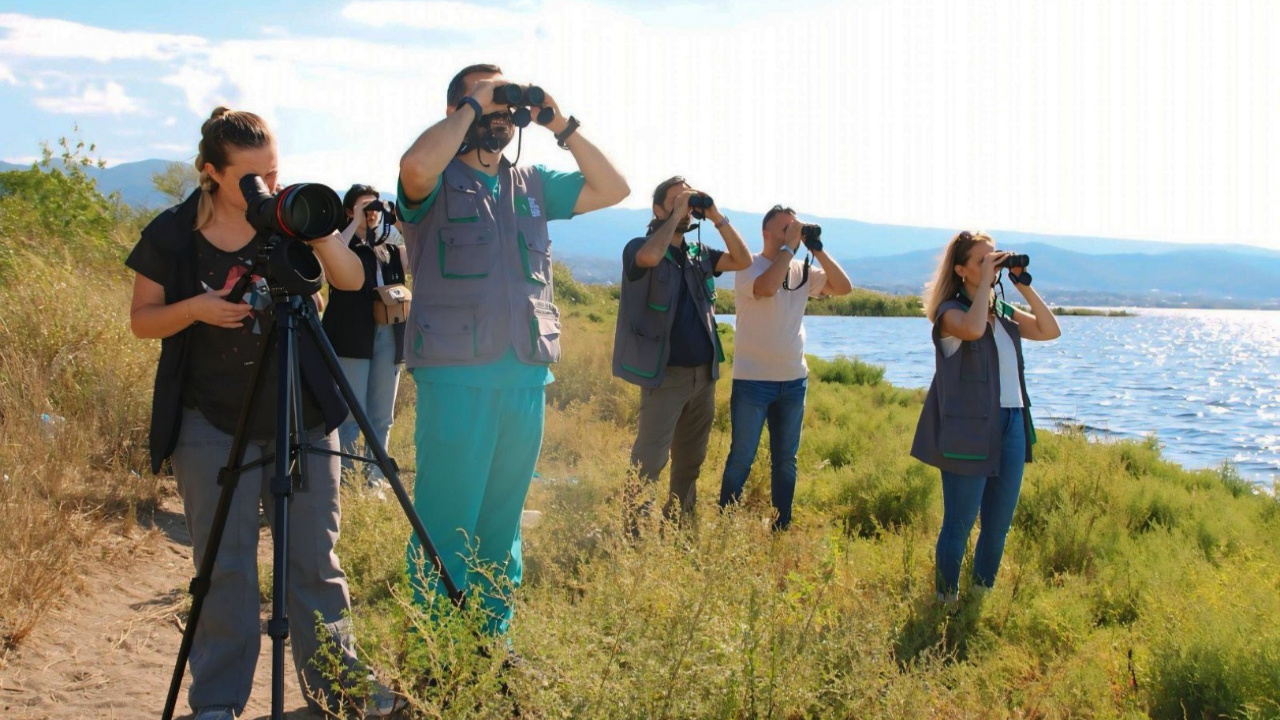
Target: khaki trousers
{"points": [[675, 423]]}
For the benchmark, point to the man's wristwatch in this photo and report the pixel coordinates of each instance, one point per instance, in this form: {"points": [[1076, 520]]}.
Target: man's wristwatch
{"points": [[475, 105], [788, 248], [721, 222]]}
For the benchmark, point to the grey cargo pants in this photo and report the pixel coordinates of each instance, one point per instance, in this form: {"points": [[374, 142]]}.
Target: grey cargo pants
{"points": [[228, 636]]}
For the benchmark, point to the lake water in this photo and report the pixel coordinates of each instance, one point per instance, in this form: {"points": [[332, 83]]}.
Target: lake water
{"points": [[1206, 382]]}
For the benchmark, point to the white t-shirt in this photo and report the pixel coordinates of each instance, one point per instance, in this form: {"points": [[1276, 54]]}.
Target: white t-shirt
{"points": [[769, 334], [1010, 385]]}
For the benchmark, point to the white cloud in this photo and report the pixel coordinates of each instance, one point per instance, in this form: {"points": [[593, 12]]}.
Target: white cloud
{"points": [[6, 75], [31, 37], [110, 99], [203, 89], [1033, 116], [461, 17]]}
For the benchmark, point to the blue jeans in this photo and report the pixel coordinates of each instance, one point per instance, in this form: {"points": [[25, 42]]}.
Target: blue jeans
{"points": [[964, 497], [781, 404], [374, 382]]}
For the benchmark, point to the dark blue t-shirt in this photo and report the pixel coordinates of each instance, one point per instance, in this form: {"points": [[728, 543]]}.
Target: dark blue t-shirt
{"points": [[691, 344]]}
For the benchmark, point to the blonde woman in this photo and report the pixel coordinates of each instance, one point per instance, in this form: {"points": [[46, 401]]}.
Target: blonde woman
{"points": [[185, 263], [976, 426]]}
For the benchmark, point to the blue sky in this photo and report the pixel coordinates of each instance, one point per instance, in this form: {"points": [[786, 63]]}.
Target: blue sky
{"points": [[1148, 118]]}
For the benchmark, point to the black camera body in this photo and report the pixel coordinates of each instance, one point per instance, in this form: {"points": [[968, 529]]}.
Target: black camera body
{"points": [[1015, 261], [305, 211]]}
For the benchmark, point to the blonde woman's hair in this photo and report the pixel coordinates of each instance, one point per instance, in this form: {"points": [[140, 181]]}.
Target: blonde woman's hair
{"points": [[946, 283], [225, 129]]}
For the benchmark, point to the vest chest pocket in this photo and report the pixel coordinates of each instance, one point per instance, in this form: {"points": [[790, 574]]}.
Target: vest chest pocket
{"points": [[446, 332], [535, 248], [466, 253], [544, 331], [662, 285], [973, 363], [462, 202]]}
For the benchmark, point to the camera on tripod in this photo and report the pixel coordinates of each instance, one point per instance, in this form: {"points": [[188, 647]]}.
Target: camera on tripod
{"points": [[521, 97], [305, 211]]}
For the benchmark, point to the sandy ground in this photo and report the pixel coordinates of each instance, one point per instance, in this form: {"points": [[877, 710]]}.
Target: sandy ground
{"points": [[109, 653]]}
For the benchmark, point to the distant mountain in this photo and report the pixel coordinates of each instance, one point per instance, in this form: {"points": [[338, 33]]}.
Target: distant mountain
{"points": [[603, 233], [131, 180], [1179, 278], [898, 258]]}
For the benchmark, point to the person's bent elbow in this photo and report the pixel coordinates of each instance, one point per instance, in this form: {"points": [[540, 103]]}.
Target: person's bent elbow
{"points": [[762, 290]]}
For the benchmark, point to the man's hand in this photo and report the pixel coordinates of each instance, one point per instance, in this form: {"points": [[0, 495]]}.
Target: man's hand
{"points": [[792, 237], [482, 91]]}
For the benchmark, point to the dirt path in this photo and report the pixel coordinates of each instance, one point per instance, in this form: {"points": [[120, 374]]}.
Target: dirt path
{"points": [[108, 653]]}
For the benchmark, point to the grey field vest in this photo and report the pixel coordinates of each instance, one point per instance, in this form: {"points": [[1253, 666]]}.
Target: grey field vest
{"points": [[647, 311], [959, 429], [482, 273]]}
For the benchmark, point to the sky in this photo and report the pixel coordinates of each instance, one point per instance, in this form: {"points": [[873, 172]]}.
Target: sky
{"points": [[1152, 119]]}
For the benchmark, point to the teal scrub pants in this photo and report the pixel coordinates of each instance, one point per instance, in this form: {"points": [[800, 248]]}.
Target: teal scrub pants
{"points": [[476, 450]]}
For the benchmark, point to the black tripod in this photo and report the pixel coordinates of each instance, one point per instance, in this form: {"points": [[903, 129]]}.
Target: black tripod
{"points": [[293, 313]]}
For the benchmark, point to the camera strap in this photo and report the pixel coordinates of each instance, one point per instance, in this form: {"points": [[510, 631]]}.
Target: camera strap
{"points": [[804, 277]]}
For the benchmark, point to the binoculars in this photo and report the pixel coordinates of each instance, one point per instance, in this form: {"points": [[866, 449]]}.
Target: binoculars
{"points": [[1014, 261], [383, 206], [811, 236], [700, 203], [521, 97]]}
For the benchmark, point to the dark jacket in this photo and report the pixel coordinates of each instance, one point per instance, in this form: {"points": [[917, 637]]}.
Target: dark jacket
{"points": [[647, 312], [348, 318], [959, 429], [173, 233]]}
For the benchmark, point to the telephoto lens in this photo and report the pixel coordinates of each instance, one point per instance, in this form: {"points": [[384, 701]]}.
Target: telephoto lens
{"points": [[306, 210], [1015, 261]]}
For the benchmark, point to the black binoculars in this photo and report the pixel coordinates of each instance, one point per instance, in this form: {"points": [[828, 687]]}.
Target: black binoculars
{"points": [[1014, 261], [383, 206], [521, 97], [811, 236], [700, 203]]}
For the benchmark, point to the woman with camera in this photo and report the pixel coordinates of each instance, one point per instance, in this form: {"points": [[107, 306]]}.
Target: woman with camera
{"points": [[976, 426], [186, 262], [366, 326]]}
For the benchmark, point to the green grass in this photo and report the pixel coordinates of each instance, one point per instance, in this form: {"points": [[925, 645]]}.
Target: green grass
{"points": [[1131, 587], [859, 303]]}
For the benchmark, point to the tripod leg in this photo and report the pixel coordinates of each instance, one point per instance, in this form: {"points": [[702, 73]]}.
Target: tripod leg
{"points": [[229, 479], [388, 466], [281, 490]]}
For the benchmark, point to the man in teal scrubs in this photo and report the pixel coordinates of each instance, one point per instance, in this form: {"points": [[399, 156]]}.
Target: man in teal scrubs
{"points": [[483, 329]]}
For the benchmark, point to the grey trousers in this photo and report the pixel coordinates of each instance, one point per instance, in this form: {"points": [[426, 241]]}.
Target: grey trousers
{"points": [[675, 422], [227, 640]]}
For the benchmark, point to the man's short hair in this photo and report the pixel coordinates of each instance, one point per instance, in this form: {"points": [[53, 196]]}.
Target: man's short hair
{"points": [[457, 86], [660, 192], [774, 211]]}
